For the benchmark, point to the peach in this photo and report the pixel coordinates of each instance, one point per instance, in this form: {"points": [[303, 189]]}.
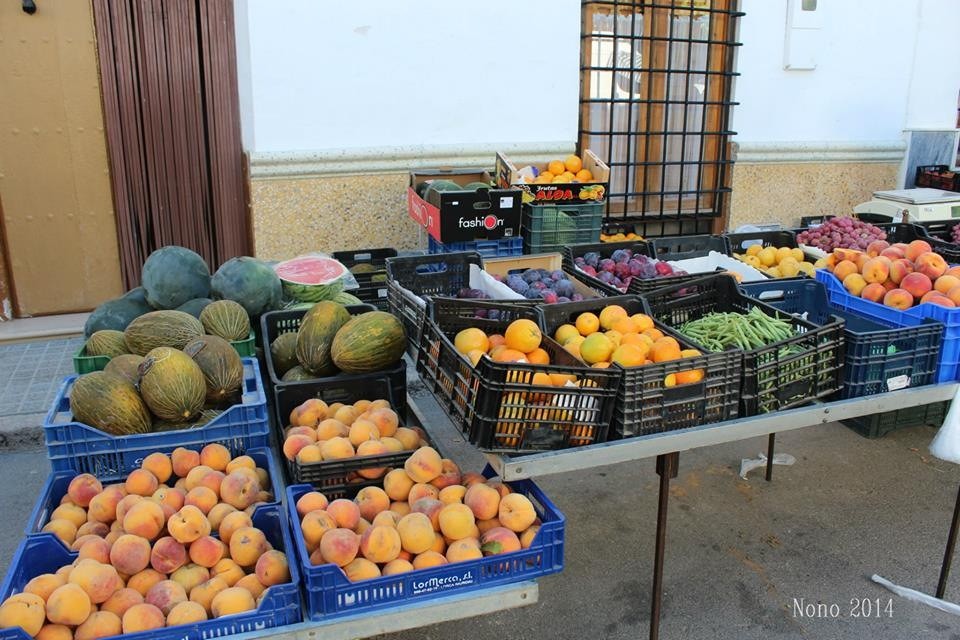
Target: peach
{"points": [[861, 260], [452, 494], [471, 478], [337, 448], [165, 595], [894, 253], [916, 249], [202, 498], [954, 295], [429, 559], [44, 584], [900, 269], [95, 549], [272, 568], [239, 489], [346, 414], [371, 448], [218, 513], [212, 480], [424, 465], [456, 521], [380, 544], [190, 575], [875, 247], [431, 508], [314, 525], [394, 567], [931, 265], [99, 581], [69, 605], [100, 624], [69, 511], [121, 600], [23, 610], [240, 462], [876, 270], [854, 283], [501, 488], [141, 482], [183, 460], [842, 253], [400, 507], [339, 546], [361, 431], [516, 512], [499, 540], [309, 412], [944, 283], [929, 295], [449, 474], [331, 428], [143, 580], [917, 284], [953, 271], [216, 456], [311, 501], [186, 613], [247, 544], [463, 550], [193, 479], [63, 529], [143, 617], [386, 421], [228, 571], [409, 438], [231, 601], [64, 572], [422, 490], [188, 524], [397, 484], [386, 519], [103, 506], [362, 526], [83, 488], [130, 554], [483, 500], [844, 268], [310, 453], [874, 292], [145, 519], [361, 569], [263, 478], [54, 632], [206, 551], [485, 525], [159, 465], [345, 512], [371, 501], [941, 300], [294, 443], [392, 444], [204, 593], [230, 523], [125, 504], [95, 529]]}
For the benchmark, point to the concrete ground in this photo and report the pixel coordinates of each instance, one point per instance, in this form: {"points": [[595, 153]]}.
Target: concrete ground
{"points": [[740, 553]]}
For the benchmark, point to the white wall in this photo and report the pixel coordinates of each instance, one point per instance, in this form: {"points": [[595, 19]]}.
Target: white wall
{"points": [[382, 73], [935, 80]]}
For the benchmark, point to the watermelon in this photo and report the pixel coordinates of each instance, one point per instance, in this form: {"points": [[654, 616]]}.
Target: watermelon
{"points": [[172, 275], [311, 278], [248, 281], [115, 314]]}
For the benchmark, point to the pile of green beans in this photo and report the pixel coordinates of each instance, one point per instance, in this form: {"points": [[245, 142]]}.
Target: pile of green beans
{"points": [[751, 330]]}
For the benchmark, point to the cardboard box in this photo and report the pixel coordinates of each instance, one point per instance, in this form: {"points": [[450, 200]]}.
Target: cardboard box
{"points": [[508, 174], [462, 216]]}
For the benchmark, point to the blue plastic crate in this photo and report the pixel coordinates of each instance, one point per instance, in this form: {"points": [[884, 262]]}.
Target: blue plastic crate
{"points": [[74, 446], [948, 368], [486, 248], [329, 594], [56, 486], [279, 605]]}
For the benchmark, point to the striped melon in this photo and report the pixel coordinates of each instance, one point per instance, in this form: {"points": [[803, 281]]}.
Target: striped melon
{"points": [[110, 403], [161, 329], [226, 319], [371, 341], [221, 366], [106, 342], [172, 384], [283, 353], [315, 336], [127, 366], [297, 374], [201, 420]]}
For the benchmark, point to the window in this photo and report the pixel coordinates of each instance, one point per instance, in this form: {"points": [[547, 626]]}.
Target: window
{"points": [[655, 86]]}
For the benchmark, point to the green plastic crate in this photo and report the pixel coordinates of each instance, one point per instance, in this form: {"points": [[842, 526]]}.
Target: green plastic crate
{"points": [[246, 348], [82, 363], [880, 424], [550, 227]]}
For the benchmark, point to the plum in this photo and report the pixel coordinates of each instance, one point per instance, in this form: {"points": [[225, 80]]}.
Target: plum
{"points": [[648, 271], [563, 299], [592, 258], [564, 288], [539, 285], [607, 265], [621, 270], [530, 276], [517, 283], [558, 275], [664, 269], [533, 294], [550, 297], [606, 277], [619, 256], [590, 271], [635, 267], [577, 297]]}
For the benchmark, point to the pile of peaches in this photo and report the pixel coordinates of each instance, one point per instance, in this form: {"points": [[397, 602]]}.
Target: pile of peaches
{"points": [[146, 556], [424, 515], [899, 275]]}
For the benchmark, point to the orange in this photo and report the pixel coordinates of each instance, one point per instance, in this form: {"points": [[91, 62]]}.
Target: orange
{"points": [[573, 163], [629, 355], [471, 340], [546, 176], [496, 351], [686, 377], [647, 339], [556, 167], [523, 335], [495, 340], [584, 175], [559, 179], [663, 351], [671, 340], [564, 332], [567, 176], [561, 379], [510, 355], [542, 179], [643, 321], [538, 356], [600, 365], [625, 324], [610, 314], [541, 380], [475, 356], [615, 337], [587, 323], [670, 380], [573, 347], [653, 332], [689, 353], [596, 348]]}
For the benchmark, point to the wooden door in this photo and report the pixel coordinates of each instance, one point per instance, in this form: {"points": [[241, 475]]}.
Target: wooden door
{"points": [[58, 219]]}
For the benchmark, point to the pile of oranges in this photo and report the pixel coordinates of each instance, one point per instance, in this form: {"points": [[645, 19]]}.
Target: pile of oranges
{"points": [[519, 343], [570, 169]]}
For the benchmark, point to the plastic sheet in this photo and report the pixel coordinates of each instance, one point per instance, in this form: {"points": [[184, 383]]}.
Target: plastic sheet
{"points": [[946, 444], [749, 464]]}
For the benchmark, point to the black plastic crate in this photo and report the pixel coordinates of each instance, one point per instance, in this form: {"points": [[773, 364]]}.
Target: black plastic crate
{"points": [[605, 249], [496, 404], [645, 404], [877, 358], [907, 232], [880, 424], [685, 247], [639, 287], [551, 227], [340, 478], [275, 323], [411, 279], [941, 240], [772, 380], [937, 176], [739, 242], [373, 282]]}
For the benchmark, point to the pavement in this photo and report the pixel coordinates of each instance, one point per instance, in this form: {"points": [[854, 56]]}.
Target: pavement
{"points": [[742, 555]]}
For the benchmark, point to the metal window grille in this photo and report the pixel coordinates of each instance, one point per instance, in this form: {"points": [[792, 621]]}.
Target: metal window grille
{"points": [[655, 101]]}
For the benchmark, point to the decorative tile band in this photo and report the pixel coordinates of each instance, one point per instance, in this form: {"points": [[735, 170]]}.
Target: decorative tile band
{"points": [[790, 152]]}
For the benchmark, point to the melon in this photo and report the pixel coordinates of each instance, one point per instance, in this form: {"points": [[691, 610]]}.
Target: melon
{"points": [[161, 329], [109, 402], [311, 278], [432, 192], [172, 384], [297, 374], [283, 353], [126, 366], [195, 307], [347, 299], [172, 275], [204, 418], [473, 186], [369, 342], [106, 342], [115, 314], [315, 336], [226, 319], [221, 366], [248, 281]]}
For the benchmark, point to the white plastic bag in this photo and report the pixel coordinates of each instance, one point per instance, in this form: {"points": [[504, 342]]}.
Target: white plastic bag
{"points": [[946, 444]]}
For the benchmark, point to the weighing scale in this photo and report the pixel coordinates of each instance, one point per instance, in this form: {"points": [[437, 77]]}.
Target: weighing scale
{"points": [[913, 205]]}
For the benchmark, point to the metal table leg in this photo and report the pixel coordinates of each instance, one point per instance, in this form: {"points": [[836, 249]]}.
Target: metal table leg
{"points": [[667, 465], [771, 445], [948, 553]]}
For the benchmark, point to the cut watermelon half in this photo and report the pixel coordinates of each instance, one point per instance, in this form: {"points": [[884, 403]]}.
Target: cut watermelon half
{"points": [[311, 278]]}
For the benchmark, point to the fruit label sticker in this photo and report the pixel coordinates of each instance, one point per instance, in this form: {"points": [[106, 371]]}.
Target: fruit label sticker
{"points": [[442, 583], [898, 382]]}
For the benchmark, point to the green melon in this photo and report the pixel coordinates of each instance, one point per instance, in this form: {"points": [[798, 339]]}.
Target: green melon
{"points": [[346, 299], [221, 366], [106, 342], [126, 366], [369, 342], [172, 275], [473, 186], [161, 329], [108, 402], [297, 374], [205, 417], [226, 319], [248, 281], [172, 384], [195, 307], [315, 336], [432, 193], [283, 352]]}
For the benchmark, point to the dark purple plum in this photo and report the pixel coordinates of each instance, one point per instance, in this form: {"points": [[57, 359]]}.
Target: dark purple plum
{"points": [[590, 271], [619, 256], [530, 276], [577, 297], [607, 265], [550, 297], [563, 299], [564, 288]]}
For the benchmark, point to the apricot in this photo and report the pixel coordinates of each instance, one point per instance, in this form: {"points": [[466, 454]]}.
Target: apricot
{"points": [[25, 610], [247, 544], [314, 525], [143, 580], [63, 529], [386, 519], [424, 465], [252, 584], [103, 506], [844, 268], [386, 421], [345, 512], [362, 526], [409, 438], [230, 523], [69, 605], [516, 512], [380, 544], [463, 550], [239, 489], [121, 600], [190, 575], [483, 500], [339, 546], [43, 585], [371, 501], [361, 569], [232, 600], [421, 491], [186, 613], [416, 532], [130, 554], [309, 412], [449, 475], [64, 572], [371, 448], [189, 524], [99, 581], [309, 454], [228, 571], [397, 566], [143, 617], [95, 549], [397, 484], [218, 513], [337, 448], [311, 501], [145, 519], [159, 465], [429, 559], [100, 624], [54, 632], [452, 494], [202, 498], [240, 462], [83, 488], [854, 283]]}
